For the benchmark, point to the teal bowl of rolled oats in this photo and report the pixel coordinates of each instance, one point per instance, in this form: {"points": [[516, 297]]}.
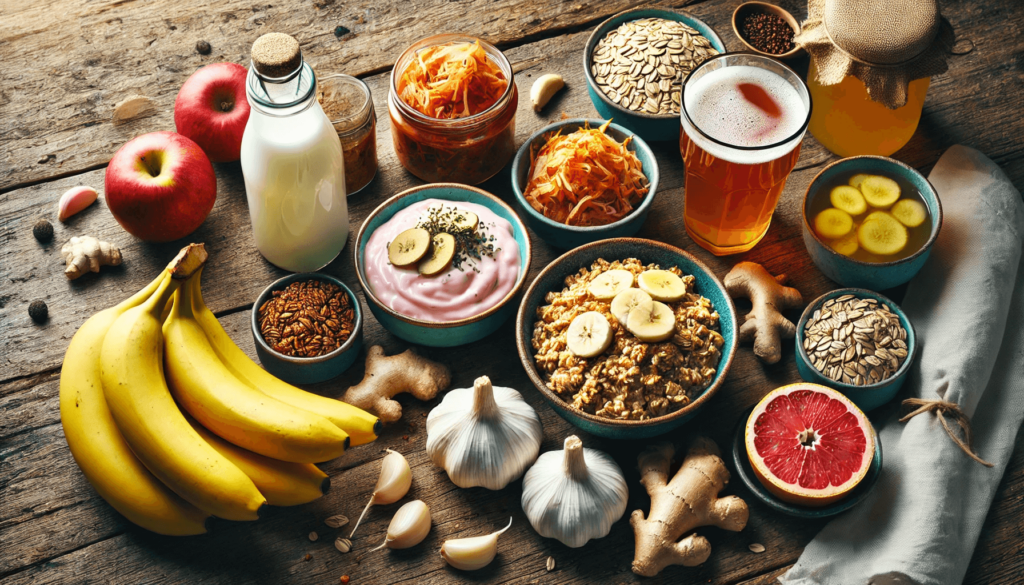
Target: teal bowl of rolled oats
{"points": [[857, 342], [635, 63], [626, 338]]}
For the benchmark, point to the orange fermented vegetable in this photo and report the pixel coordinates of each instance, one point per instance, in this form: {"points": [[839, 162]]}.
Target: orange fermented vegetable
{"points": [[585, 178], [453, 80]]}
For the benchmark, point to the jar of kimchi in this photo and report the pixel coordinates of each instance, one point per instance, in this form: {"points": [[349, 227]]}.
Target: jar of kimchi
{"points": [[453, 106]]}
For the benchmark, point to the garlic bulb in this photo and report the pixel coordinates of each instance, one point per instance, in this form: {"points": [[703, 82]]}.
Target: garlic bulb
{"points": [[483, 436], [575, 494], [392, 485], [470, 554], [409, 526]]}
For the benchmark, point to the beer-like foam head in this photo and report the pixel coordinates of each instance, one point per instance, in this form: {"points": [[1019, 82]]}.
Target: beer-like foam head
{"points": [[744, 106]]}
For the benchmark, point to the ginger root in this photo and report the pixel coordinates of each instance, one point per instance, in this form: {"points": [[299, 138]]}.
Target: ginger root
{"points": [[387, 376], [86, 253], [764, 324], [689, 501]]}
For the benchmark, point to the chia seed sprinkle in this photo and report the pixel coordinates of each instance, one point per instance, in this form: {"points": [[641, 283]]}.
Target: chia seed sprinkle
{"points": [[470, 244]]}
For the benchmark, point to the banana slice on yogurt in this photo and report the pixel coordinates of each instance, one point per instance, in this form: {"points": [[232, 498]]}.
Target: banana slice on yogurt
{"points": [[662, 285], [609, 283], [589, 334]]}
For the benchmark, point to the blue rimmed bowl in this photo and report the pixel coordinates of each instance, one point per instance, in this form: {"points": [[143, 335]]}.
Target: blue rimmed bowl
{"points": [[442, 333], [856, 273], [563, 236], [869, 396], [650, 127], [307, 370], [552, 278]]}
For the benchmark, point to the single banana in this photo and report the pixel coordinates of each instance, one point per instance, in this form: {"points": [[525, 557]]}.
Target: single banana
{"points": [[589, 334], [232, 409], [361, 426], [131, 369], [606, 285], [651, 322], [281, 482], [96, 443], [662, 285], [626, 301]]}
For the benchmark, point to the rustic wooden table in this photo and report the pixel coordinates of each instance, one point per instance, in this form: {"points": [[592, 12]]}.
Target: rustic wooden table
{"points": [[65, 66]]}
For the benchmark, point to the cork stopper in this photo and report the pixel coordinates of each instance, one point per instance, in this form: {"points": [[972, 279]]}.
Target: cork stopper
{"points": [[276, 55]]}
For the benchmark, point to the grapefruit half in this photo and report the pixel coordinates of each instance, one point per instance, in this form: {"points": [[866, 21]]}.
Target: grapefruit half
{"points": [[808, 444]]}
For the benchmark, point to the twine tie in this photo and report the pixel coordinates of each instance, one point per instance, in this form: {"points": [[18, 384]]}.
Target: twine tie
{"points": [[941, 408]]}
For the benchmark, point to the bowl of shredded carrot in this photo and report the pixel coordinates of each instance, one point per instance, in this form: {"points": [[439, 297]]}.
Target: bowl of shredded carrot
{"points": [[578, 181]]}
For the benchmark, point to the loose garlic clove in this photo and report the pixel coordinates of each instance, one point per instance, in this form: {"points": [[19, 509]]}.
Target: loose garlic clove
{"points": [[74, 200], [470, 554], [409, 526], [392, 485], [544, 89]]}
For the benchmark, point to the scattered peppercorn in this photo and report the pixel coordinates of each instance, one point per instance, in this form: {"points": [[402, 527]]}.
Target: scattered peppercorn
{"points": [[768, 33], [340, 31], [344, 580], [203, 48], [38, 311], [43, 231]]}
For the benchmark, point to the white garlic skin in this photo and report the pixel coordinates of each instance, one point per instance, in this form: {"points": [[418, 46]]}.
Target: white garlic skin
{"points": [[470, 554], [485, 436], [575, 494], [409, 526]]}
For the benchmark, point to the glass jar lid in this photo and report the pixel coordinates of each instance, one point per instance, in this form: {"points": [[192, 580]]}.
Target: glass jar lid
{"points": [[346, 101]]}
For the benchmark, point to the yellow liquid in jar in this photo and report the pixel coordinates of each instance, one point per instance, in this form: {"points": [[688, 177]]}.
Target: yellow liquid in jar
{"points": [[846, 121]]}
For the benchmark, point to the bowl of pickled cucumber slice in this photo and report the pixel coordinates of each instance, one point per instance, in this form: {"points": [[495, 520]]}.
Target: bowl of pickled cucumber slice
{"points": [[870, 221]]}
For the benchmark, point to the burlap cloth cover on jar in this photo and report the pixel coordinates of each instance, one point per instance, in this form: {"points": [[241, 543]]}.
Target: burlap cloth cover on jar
{"points": [[884, 43]]}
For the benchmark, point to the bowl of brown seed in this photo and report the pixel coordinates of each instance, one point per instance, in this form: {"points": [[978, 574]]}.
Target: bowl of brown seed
{"points": [[636, 62], [858, 342], [308, 328], [766, 29]]}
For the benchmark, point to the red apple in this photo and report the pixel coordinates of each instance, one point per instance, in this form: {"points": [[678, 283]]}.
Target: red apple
{"points": [[160, 186], [212, 110]]}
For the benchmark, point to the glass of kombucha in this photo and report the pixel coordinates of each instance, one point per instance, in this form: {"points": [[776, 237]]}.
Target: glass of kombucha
{"points": [[743, 118]]}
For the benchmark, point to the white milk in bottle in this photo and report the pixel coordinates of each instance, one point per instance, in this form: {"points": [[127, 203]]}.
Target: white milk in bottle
{"points": [[292, 161]]}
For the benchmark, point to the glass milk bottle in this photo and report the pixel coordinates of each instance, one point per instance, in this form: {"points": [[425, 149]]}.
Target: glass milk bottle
{"points": [[292, 161]]}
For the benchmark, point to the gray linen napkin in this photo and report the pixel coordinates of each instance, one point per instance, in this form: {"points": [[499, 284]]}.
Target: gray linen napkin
{"points": [[921, 522]]}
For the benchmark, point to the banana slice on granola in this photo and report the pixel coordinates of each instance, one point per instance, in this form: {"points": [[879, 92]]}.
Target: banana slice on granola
{"points": [[589, 334], [609, 283], [662, 285], [651, 322], [626, 301]]}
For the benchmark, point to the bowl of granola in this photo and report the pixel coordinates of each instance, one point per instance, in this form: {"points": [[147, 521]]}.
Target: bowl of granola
{"points": [[626, 338]]}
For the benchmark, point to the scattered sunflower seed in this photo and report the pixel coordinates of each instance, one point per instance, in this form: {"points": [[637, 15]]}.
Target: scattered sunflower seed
{"points": [[855, 341], [756, 547], [343, 545], [203, 48], [641, 64], [336, 521], [43, 230], [313, 536], [551, 564]]}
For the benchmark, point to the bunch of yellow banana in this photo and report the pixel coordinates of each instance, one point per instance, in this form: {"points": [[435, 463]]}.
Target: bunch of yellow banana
{"points": [[244, 440]]}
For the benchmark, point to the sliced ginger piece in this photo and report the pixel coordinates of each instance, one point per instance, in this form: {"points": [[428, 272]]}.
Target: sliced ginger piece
{"points": [[833, 223], [882, 234], [909, 212], [690, 500], [879, 191], [848, 199], [764, 324]]}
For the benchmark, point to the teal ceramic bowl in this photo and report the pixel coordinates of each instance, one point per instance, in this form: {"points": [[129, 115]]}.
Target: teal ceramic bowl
{"points": [[563, 236], [552, 278], [307, 370], [650, 127], [870, 396], [855, 273], [749, 479], [442, 333]]}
